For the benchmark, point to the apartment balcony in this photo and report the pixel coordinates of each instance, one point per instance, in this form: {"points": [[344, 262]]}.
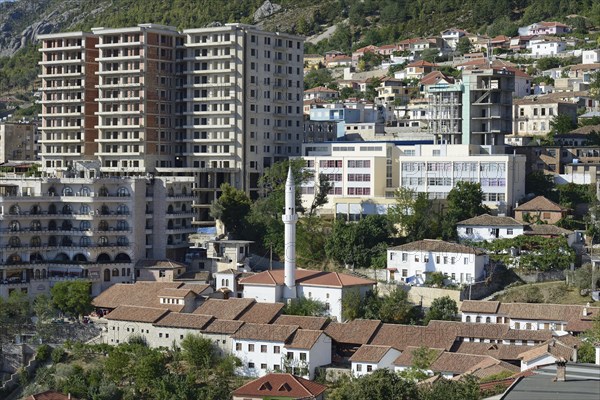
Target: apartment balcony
{"points": [[61, 128], [209, 85], [119, 126], [66, 141], [210, 44], [119, 98], [120, 85], [61, 48], [63, 101], [64, 61], [212, 126], [61, 88], [62, 75], [184, 214], [139, 71], [210, 113], [213, 71], [137, 57], [118, 44], [120, 155]]}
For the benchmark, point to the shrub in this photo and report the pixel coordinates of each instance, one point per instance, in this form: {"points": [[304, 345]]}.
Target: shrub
{"points": [[58, 355], [43, 353]]}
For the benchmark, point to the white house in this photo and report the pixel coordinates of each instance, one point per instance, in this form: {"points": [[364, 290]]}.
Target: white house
{"points": [[546, 47], [327, 287], [369, 358], [264, 348], [451, 37], [412, 261], [488, 227], [545, 28], [590, 56], [549, 353]]}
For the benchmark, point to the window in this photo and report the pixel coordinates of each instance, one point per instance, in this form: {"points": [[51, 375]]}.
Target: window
{"points": [[509, 231], [358, 367], [251, 365], [469, 231], [238, 347], [276, 349], [369, 368], [250, 347], [303, 356], [263, 366], [263, 348]]}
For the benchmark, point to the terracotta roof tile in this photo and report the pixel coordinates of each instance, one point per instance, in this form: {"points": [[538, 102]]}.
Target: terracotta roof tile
{"points": [[198, 288], [261, 313], [304, 339], [370, 353], [308, 278], [358, 331], [435, 77], [271, 333], [224, 309], [304, 322], [136, 314], [402, 336], [162, 264], [280, 386], [141, 294], [223, 326], [553, 347], [406, 358], [507, 352], [540, 203], [475, 306], [320, 89], [174, 293], [546, 230], [186, 321], [437, 246], [491, 220], [50, 395]]}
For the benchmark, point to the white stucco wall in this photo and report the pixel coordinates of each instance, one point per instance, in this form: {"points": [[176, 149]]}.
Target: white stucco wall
{"points": [[481, 233]]}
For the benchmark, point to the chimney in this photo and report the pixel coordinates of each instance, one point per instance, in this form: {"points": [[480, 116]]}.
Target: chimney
{"points": [[597, 348], [69, 396], [561, 370], [585, 310]]}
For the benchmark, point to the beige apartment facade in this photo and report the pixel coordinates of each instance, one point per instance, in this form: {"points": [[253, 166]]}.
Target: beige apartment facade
{"points": [[18, 142]]}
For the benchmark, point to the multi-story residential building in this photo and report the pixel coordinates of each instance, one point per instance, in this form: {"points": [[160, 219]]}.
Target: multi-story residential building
{"points": [[136, 98], [18, 142], [487, 105], [488, 227], [545, 28], [243, 105], [543, 47], [451, 37], [444, 98], [321, 93], [69, 91], [532, 116], [411, 262], [435, 169], [590, 56], [555, 159]]}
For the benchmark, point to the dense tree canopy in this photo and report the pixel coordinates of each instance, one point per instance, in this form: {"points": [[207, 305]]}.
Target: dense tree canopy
{"points": [[72, 297], [442, 308], [232, 207], [464, 201]]}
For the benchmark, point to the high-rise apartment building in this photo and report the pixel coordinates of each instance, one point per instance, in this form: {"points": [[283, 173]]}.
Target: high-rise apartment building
{"points": [[69, 80], [242, 105]]}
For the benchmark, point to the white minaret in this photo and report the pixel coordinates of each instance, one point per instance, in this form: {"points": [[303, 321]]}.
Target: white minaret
{"points": [[289, 219]]}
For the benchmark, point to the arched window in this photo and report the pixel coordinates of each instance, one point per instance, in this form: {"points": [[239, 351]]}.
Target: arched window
{"points": [[36, 258], [84, 209], [52, 191], [35, 241], [44, 273], [170, 209], [183, 208], [85, 191], [62, 257], [14, 210], [52, 209], [84, 241], [123, 272], [115, 272], [85, 225], [183, 223], [122, 241], [488, 319], [52, 241], [67, 209], [103, 226], [14, 226], [122, 225], [184, 190], [67, 191], [122, 192], [468, 319], [170, 224], [35, 210], [107, 275], [37, 274], [66, 225], [14, 241], [35, 225], [80, 258], [478, 319], [103, 192], [171, 192], [170, 239], [102, 241], [103, 258], [104, 210], [122, 209], [52, 225], [66, 241], [122, 257]]}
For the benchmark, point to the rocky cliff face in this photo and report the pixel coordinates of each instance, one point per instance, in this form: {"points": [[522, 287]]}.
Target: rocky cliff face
{"points": [[22, 20]]}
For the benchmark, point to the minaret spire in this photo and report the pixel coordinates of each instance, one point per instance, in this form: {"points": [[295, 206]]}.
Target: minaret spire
{"points": [[289, 219]]}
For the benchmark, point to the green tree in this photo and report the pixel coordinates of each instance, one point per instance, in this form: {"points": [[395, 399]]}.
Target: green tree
{"points": [[232, 207], [414, 213], [198, 351], [464, 45], [464, 201], [396, 309], [369, 61], [540, 184], [72, 298], [423, 357], [305, 306], [381, 384], [467, 388], [560, 125], [317, 77], [442, 308]]}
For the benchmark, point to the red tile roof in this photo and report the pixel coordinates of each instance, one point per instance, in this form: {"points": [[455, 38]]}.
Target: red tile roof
{"points": [[304, 339], [224, 309], [50, 395], [421, 63], [540, 203], [280, 386], [308, 278], [370, 353], [435, 77], [358, 331], [136, 314], [185, 321], [304, 322]]}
